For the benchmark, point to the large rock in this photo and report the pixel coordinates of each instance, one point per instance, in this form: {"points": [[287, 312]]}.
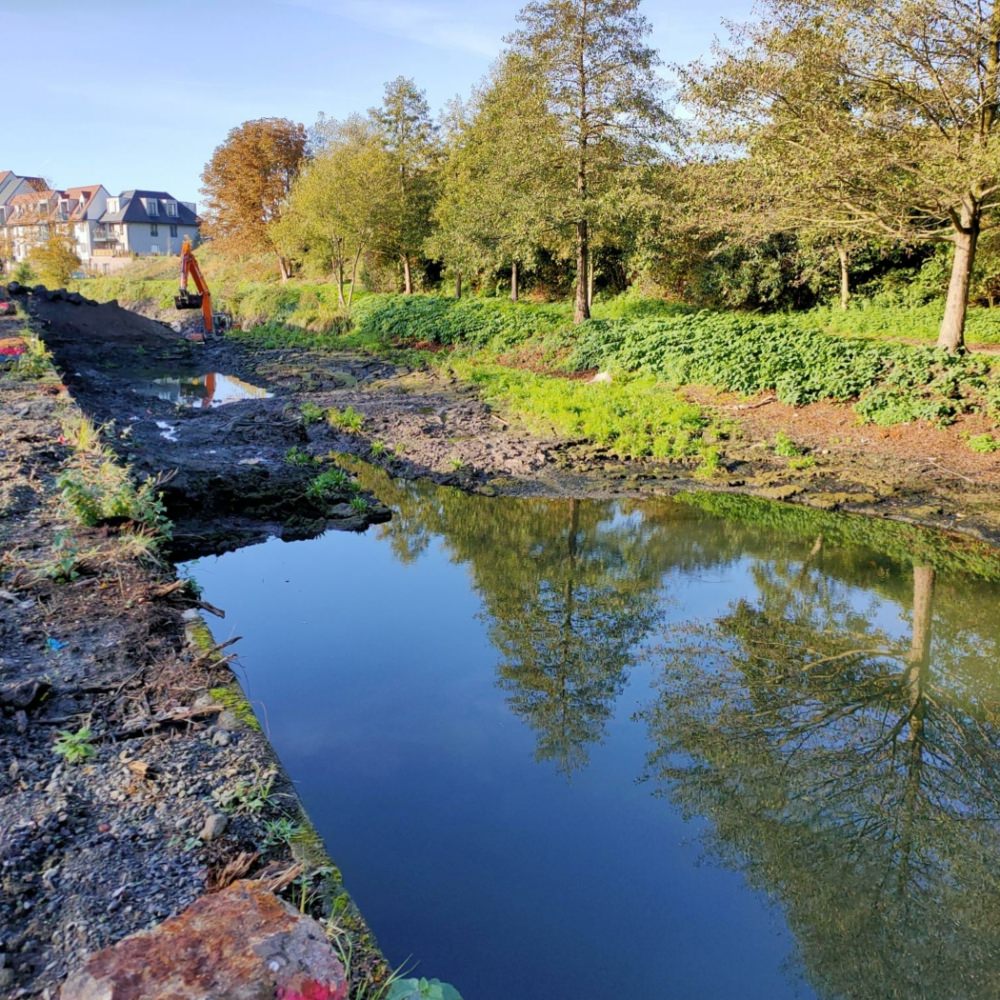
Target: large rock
{"points": [[240, 944]]}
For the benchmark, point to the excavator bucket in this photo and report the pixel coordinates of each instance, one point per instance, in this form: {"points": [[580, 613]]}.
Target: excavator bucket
{"points": [[187, 300]]}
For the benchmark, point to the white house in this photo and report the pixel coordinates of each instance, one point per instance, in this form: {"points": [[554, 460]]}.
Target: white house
{"points": [[143, 223]]}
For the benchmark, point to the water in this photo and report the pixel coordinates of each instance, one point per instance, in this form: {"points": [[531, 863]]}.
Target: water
{"points": [[201, 391], [711, 748]]}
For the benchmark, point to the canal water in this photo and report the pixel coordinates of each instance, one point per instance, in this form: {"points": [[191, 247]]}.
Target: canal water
{"points": [[702, 748]]}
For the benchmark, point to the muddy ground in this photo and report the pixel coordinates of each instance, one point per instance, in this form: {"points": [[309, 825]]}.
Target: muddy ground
{"points": [[174, 798]]}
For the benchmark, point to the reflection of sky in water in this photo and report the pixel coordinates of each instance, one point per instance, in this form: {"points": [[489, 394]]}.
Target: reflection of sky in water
{"points": [[213, 389], [378, 682]]}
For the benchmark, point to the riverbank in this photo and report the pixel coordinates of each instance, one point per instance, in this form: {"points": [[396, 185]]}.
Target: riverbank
{"points": [[133, 777]]}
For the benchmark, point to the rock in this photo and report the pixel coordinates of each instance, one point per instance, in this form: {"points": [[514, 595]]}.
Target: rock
{"points": [[24, 694], [221, 738], [228, 720], [214, 827], [239, 944], [602, 377]]}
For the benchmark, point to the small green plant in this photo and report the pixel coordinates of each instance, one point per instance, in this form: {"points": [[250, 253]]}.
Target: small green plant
{"points": [[75, 748], [248, 796], [298, 456], [62, 566], [801, 462], [280, 831], [456, 464], [83, 436], [378, 449], [359, 505], [311, 413], [348, 419], [35, 362], [983, 444], [332, 482], [711, 458], [23, 273], [785, 446], [422, 989]]}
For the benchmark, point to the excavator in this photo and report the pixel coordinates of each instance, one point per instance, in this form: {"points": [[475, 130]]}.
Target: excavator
{"points": [[190, 300]]}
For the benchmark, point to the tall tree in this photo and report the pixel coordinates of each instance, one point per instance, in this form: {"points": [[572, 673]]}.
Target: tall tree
{"points": [[881, 116], [341, 205], [501, 176], [247, 182], [410, 138], [604, 92]]}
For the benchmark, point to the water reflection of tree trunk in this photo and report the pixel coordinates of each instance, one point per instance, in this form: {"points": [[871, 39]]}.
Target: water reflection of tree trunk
{"points": [[917, 677], [566, 665]]}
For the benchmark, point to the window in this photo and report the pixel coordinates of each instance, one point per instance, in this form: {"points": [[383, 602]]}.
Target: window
{"points": [[154, 230], [152, 206], [113, 205], [171, 208], [173, 231]]}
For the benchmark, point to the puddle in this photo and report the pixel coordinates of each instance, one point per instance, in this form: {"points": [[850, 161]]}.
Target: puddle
{"points": [[167, 431], [201, 391]]}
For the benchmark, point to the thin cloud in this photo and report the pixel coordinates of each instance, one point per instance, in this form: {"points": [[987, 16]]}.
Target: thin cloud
{"points": [[433, 24]]}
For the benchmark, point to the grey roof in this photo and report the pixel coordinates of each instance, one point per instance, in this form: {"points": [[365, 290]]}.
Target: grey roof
{"points": [[9, 183], [132, 209]]}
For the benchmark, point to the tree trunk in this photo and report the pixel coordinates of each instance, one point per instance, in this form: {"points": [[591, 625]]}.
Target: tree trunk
{"points": [[845, 277], [283, 268], [513, 282], [354, 278], [407, 279], [590, 281], [952, 334], [458, 284], [581, 309]]}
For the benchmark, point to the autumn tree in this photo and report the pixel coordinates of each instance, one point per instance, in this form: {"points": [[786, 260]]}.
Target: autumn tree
{"points": [[247, 182], [879, 119], [409, 137], [55, 260], [603, 91]]}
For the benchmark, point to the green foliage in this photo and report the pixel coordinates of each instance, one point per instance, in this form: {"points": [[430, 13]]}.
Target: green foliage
{"points": [[23, 273], [330, 484], [75, 748], [359, 505], [785, 446], [437, 320], [95, 492], [631, 419], [347, 419], [298, 456], [311, 413], [34, 363], [984, 444], [248, 796], [231, 698], [892, 383], [280, 831], [422, 989]]}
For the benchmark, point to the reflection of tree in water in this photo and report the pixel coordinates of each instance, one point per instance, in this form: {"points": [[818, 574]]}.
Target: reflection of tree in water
{"points": [[569, 589], [853, 777]]}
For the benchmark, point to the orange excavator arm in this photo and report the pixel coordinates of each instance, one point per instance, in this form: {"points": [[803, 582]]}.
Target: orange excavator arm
{"points": [[185, 300]]}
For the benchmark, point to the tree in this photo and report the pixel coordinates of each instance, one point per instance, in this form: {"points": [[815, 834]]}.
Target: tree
{"points": [[341, 205], [409, 137], [55, 260], [247, 182], [604, 93], [501, 176], [881, 117]]}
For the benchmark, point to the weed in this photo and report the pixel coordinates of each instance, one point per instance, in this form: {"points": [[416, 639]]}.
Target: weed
{"points": [[96, 492], [82, 435], [348, 419], [801, 462], [710, 460], [331, 483], [280, 831], [311, 413], [62, 567], [378, 449], [456, 464], [785, 446], [248, 796], [359, 505], [35, 362], [75, 748], [983, 444], [298, 456]]}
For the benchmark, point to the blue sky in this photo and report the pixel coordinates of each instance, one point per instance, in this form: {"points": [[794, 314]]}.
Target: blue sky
{"points": [[137, 93]]}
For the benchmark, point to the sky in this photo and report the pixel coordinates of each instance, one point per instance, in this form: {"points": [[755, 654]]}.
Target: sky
{"points": [[138, 93]]}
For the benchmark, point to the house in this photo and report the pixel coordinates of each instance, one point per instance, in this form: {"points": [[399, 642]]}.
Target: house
{"points": [[143, 223], [107, 231]]}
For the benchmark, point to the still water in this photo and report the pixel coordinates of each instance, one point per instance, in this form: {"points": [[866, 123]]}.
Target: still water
{"points": [[702, 748]]}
